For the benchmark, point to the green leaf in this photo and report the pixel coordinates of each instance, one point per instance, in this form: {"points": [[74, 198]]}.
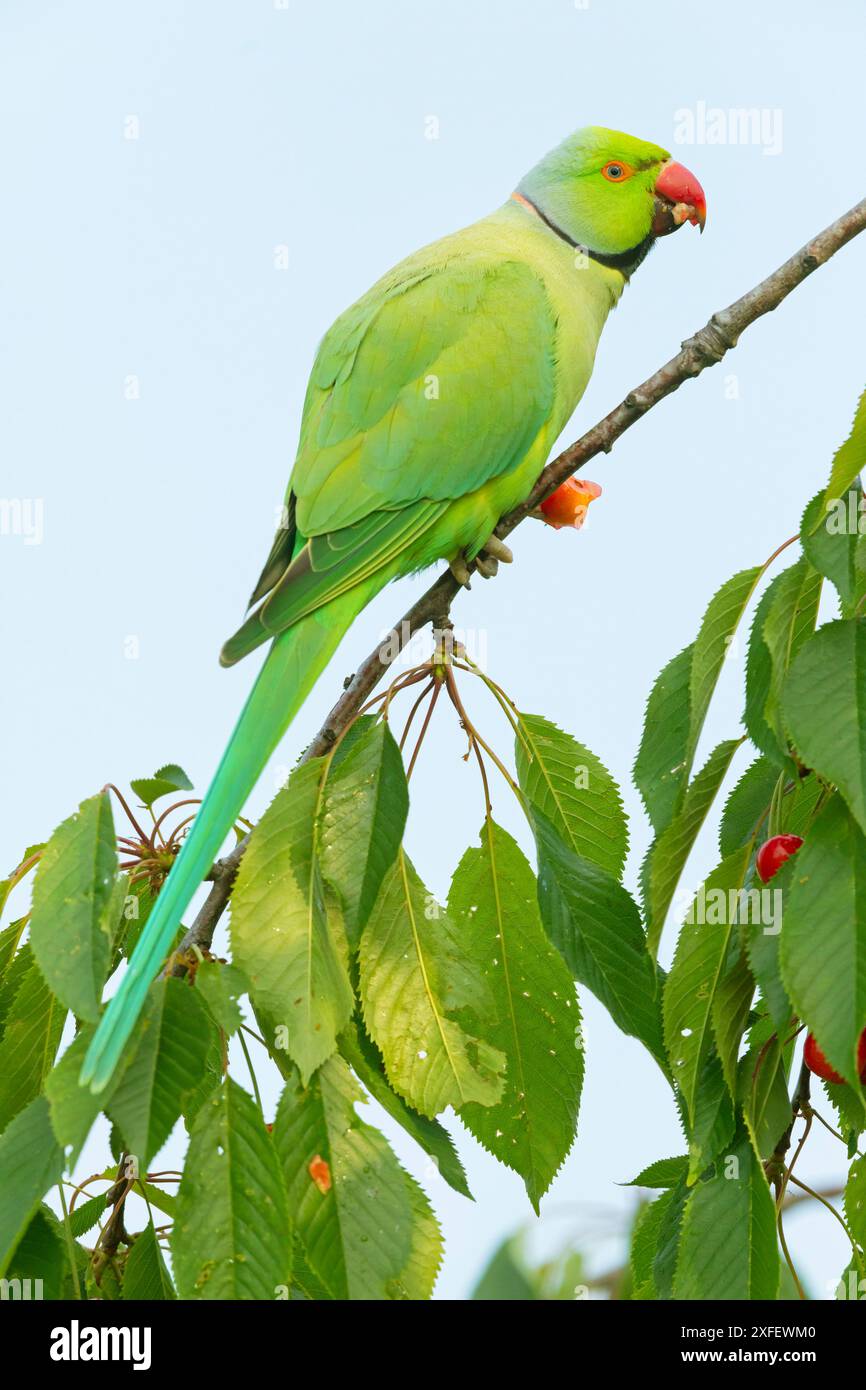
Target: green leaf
{"points": [[30, 1041], [39, 1260], [74, 1108], [30, 1163], [746, 807], [669, 1234], [281, 936], [849, 460], [644, 1245], [855, 1201], [824, 708], [730, 1012], [661, 767], [762, 944], [790, 621], [763, 1091], [595, 925], [665, 1172], [221, 986], [164, 781], [418, 1278], [416, 976], [712, 1128], [506, 1278], [231, 1237], [699, 965], [759, 680], [573, 790], [728, 1244], [146, 1276], [823, 945], [172, 1043], [669, 853], [719, 624], [829, 539], [358, 1232], [72, 894], [535, 1019], [366, 802], [86, 1215], [366, 1061]]}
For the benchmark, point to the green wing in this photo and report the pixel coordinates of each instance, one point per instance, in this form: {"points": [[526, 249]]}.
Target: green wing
{"points": [[435, 383]]}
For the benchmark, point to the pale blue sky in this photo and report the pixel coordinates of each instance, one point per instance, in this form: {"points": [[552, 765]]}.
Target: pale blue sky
{"points": [[306, 127]]}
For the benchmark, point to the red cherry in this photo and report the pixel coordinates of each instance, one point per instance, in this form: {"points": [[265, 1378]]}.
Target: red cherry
{"points": [[817, 1062], [569, 504], [773, 853]]}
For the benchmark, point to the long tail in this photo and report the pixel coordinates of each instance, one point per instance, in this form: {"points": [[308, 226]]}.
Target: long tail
{"points": [[294, 663]]}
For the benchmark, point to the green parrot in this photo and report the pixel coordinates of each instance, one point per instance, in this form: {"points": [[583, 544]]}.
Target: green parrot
{"points": [[430, 412]]}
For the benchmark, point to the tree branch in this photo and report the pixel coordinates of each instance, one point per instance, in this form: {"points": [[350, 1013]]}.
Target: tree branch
{"points": [[707, 347]]}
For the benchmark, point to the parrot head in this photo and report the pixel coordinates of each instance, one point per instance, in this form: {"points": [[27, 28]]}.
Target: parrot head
{"points": [[612, 195]]}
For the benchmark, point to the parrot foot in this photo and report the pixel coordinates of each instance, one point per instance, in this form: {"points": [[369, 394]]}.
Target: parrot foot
{"points": [[460, 570], [488, 558]]}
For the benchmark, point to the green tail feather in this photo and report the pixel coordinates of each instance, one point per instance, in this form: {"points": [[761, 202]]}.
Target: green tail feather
{"points": [[294, 663]]}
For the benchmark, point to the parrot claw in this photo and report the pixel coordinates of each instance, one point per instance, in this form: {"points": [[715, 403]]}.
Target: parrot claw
{"points": [[497, 550], [460, 570], [487, 565]]}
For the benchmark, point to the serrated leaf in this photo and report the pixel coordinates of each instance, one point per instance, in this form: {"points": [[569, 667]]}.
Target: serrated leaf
{"points": [[730, 1013], [762, 945], [713, 1125], [824, 708], [763, 1093], [644, 1245], [661, 766], [280, 932], [668, 1243], [221, 986], [535, 1020], [759, 679], [669, 852], [39, 1261], [829, 538], [789, 622], [146, 1276], [366, 1061], [31, 1037], [574, 790], [416, 977], [823, 944], [172, 1043], [595, 925], [418, 1277], [74, 1108], [665, 1172], [746, 807], [849, 460], [30, 1163], [728, 1246], [164, 781], [719, 624], [855, 1200], [231, 1238], [86, 1215], [72, 894], [699, 964], [366, 802], [358, 1233]]}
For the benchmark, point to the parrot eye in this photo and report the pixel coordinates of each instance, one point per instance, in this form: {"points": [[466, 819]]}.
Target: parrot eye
{"points": [[616, 172]]}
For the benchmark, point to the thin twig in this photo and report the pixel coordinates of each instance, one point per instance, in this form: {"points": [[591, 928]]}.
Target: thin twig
{"points": [[705, 349]]}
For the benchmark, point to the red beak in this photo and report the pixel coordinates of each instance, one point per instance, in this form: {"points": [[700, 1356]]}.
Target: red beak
{"points": [[680, 188]]}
